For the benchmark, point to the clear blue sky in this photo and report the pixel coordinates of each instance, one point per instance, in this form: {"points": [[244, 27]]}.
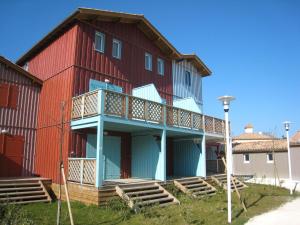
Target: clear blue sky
{"points": [[252, 48]]}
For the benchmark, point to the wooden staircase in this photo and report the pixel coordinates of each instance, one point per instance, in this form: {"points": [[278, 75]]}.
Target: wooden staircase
{"points": [[145, 194], [23, 191], [195, 186], [221, 180]]}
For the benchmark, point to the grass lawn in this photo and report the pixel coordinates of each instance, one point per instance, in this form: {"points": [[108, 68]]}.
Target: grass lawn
{"points": [[212, 210]]}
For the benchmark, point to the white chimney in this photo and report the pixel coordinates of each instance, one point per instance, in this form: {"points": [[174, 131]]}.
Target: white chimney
{"points": [[249, 129]]}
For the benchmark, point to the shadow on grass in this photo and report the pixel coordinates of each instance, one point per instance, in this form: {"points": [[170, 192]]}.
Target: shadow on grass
{"points": [[261, 196]]}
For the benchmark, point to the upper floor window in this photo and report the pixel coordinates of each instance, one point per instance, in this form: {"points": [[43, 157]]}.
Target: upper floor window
{"points": [[246, 158], [148, 61], [188, 78], [160, 66], [9, 95], [270, 158], [116, 49], [26, 66], [99, 41]]}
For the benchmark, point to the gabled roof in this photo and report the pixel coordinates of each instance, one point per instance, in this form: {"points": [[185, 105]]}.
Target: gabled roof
{"points": [[20, 70], [143, 24], [260, 146], [253, 136], [296, 137]]}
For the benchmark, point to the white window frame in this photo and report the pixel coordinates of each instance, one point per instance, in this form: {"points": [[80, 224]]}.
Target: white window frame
{"points": [[244, 155], [102, 47], [268, 159], [119, 48], [160, 66], [148, 67]]}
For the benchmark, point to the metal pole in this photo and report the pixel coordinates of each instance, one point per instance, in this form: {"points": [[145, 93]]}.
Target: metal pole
{"points": [[289, 158], [228, 156]]}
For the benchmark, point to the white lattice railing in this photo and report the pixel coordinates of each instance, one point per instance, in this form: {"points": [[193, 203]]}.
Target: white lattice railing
{"points": [[82, 170], [134, 108]]}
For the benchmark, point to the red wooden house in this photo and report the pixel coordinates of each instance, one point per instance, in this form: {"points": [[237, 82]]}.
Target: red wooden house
{"points": [[124, 52]]}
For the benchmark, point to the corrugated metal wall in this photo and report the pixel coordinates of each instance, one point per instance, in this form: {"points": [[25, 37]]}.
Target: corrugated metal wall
{"points": [[23, 120], [180, 89], [129, 72]]}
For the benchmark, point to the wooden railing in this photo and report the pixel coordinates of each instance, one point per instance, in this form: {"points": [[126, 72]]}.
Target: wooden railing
{"points": [[134, 108], [82, 170]]}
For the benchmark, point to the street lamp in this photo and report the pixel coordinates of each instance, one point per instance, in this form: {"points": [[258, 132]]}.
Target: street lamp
{"points": [[287, 128], [226, 102]]}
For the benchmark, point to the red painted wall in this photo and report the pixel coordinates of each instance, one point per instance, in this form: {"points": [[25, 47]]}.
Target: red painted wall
{"points": [[129, 72]]}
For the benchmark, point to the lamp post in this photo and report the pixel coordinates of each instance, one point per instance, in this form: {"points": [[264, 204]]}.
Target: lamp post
{"points": [[287, 128], [226, 102]]}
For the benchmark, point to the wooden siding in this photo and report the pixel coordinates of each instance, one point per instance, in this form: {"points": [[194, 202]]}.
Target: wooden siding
{"points": [[180, 89], [56, 57], [129, 72], [55, 90], [22, 120]]}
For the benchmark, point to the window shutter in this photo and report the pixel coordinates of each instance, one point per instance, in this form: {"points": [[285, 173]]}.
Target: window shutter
{"points": [[13, 96], [4, 95]]}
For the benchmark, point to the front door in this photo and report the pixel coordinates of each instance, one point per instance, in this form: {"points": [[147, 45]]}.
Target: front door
{"points": [[112, 157], [11, 155]]}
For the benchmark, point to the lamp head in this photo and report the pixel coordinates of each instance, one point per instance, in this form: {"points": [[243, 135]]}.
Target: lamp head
{"points": [[226, 99], [287, 125]]}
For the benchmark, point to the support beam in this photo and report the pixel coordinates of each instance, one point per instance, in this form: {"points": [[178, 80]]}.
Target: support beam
{"points": [[99, 154], [161, 165], [201, 167]]}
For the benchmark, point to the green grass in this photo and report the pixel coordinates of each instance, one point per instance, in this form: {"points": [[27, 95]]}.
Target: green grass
{"points": [[213, 210]]}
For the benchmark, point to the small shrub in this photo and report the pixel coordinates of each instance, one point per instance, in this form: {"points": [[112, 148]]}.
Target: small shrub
{"points": [[11, 214]]}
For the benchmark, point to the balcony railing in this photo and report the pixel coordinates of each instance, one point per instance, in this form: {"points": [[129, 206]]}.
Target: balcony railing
{"points": [[82, 170], [134, 108]]}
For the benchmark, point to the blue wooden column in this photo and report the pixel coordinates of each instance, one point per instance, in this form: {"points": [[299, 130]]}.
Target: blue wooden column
{"points": [[161, 164], [99, 154], [201, 167]]}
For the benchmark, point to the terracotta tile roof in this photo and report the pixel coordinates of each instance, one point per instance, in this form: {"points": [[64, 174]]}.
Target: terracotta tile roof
{"points": [[261, 146], [252, 136], [296, 137]]}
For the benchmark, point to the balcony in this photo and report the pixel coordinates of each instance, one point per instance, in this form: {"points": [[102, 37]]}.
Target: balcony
{"points": [[127, 107]]}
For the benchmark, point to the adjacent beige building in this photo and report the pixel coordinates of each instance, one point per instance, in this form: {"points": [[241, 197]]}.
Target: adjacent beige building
{"points": [[264, 156]]}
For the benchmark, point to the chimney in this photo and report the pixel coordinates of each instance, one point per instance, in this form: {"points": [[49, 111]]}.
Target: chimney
{"points": [[249, 128]]}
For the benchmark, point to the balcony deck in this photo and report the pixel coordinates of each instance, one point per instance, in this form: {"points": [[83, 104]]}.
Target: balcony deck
{"points": [[130, 110]]}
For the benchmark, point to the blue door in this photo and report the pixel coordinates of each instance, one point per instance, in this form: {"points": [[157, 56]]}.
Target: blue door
{"points": [[112, 157]]}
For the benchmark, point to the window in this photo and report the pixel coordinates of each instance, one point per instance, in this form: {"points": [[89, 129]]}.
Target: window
{"points": [[148, 61], [116, 49], [270, 158], [8, 95], [246, 158], [187, 78], [160, 66], [99, 41], [26, 66]]}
